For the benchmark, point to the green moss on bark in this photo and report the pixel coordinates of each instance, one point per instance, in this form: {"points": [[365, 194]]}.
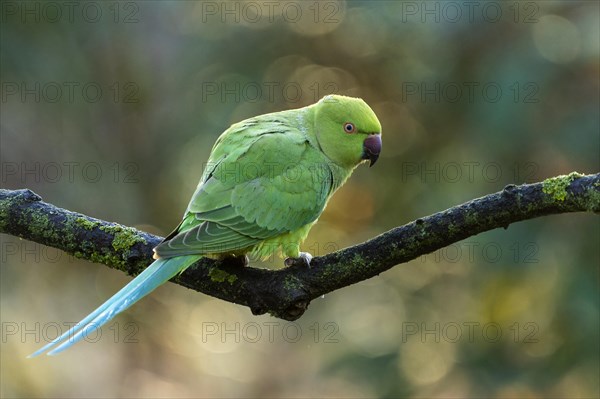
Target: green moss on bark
{"points": [[220, 276], [124, 238], [556, 187]]}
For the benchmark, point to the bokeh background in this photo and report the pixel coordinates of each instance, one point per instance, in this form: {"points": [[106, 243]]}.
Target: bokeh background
{"points": [[111, 109]]}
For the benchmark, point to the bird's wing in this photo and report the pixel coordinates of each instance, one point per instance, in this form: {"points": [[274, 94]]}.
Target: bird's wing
{"points": [[264, 179]]}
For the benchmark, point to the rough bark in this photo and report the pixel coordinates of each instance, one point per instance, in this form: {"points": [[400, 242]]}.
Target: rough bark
{"points": [[286, 293]]}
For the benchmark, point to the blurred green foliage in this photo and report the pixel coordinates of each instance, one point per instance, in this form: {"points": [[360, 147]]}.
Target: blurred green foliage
{"points": [[111, 108]]}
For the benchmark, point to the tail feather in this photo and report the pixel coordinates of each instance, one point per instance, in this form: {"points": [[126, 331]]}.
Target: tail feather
{"points": [[156, 274]]}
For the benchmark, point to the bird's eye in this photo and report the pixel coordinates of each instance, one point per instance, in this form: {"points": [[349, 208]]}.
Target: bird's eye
{"points": [[349, 127]]}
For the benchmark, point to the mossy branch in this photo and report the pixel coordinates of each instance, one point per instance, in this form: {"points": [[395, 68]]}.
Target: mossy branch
{"points": [[286, 293]]}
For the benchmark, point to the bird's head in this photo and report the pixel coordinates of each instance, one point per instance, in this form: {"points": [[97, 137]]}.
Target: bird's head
{"points": [[347, 130]]}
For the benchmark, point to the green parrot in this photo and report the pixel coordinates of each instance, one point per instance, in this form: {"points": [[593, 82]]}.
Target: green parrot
{"points": [[267, 181]]}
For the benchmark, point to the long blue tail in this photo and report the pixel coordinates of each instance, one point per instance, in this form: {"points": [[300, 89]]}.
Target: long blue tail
{"points": [[156, 274]]}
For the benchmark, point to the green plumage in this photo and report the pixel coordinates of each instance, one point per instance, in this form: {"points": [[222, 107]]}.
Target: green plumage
{"points": [[267, 181]]}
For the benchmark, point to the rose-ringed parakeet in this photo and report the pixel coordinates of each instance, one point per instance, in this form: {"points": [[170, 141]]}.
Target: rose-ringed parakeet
{"points": [[267, 181]]}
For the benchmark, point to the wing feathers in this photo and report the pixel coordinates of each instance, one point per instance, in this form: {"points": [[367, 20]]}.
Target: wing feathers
{"points": [[261, 186]]}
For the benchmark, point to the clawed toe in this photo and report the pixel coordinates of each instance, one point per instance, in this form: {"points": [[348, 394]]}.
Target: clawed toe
{"points": [[303, 260]]}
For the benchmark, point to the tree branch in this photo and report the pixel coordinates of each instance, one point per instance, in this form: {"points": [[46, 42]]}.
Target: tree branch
{"points": [[286, 293]]}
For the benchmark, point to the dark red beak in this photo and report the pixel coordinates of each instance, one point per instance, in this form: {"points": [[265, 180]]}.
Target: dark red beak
{"points": [[372, 148]]}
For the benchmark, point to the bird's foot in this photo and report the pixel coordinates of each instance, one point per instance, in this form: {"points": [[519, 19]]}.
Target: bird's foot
{"points": [[303, 260]]}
